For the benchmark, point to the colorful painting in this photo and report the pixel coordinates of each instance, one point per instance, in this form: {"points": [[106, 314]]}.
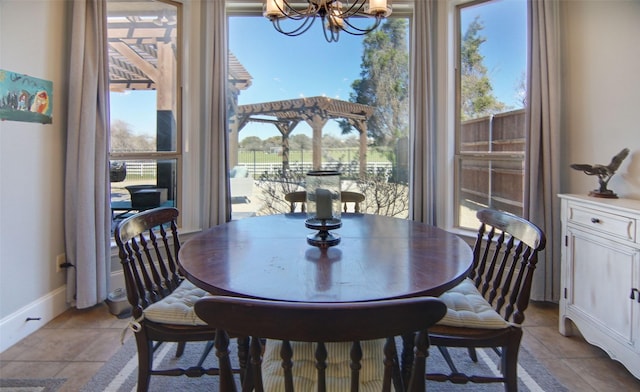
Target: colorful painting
{"points": [[25, 98]]}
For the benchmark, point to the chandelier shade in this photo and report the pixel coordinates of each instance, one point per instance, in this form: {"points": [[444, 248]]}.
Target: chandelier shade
{"points": [[334, 15]]}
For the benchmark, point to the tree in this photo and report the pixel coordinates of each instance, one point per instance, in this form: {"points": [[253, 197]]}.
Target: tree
{"points": [[352, 142], [477, 99], [330, 141], [384, 83], [124, 140], [251, 143], [521, 89], [300, 141], [273, 141]]}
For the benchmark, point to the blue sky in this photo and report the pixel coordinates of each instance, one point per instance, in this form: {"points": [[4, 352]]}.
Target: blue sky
{"points": [[291, 67], [505, 48]]}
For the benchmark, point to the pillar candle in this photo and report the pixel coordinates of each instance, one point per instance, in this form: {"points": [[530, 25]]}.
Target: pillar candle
{"points": [[273, 8], [323, 204], [377, 6]]}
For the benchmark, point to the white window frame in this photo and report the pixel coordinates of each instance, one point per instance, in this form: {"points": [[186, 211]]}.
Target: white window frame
{"points": [[446, 116], [178, 154]]}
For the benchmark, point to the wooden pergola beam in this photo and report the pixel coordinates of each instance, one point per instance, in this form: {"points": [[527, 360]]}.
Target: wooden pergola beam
{"points": [[133, 57]]}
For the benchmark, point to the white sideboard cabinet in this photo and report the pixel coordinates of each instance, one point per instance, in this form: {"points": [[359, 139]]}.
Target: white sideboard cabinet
{"points": [[600, 275]]}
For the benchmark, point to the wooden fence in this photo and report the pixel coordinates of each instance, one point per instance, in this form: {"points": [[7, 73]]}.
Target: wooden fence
{"points": [[492, 161]]}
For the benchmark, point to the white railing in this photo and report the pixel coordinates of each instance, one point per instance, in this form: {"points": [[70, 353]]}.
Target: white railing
{"points": [[257, 169], [147, 169], [144, 169]]}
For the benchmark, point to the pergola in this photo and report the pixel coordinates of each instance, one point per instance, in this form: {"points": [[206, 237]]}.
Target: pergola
{"points": [[142, 51], [143, 55], [315, 111]]}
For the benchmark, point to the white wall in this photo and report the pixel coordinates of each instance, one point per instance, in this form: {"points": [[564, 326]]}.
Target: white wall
{"points": [[601, 84], [33, 41]]}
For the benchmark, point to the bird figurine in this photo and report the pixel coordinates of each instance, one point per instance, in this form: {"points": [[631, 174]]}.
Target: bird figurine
{"points": [[604, 173]]}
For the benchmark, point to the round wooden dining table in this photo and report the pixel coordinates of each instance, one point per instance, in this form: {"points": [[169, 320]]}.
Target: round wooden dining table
{"points": [[378, 257]]}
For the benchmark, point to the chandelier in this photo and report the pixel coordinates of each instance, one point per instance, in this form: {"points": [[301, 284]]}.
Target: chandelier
{"points": [[334, 15]]}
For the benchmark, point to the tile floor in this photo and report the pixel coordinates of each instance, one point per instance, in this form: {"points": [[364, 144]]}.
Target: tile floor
{"points": [[78, 342]]}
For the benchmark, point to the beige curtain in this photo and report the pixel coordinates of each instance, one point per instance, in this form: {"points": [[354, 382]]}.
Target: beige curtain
{"points": [[216, 208], [87, 210], [423, 148], [543, 128]]}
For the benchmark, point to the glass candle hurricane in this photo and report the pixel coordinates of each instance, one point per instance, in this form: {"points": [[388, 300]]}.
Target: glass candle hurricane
{"points": [[323, 207], [323, 195]]}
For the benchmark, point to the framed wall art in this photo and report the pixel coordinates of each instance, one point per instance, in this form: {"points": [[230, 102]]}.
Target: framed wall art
{"points": [[25, 98]]}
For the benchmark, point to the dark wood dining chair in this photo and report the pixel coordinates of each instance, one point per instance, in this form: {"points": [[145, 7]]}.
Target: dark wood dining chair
{"points": [[161, 299], [301, 346], [487, 309], [300, 198]]}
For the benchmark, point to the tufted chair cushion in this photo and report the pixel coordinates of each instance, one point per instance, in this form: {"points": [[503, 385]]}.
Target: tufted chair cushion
{"points": [[466, 307], [177, 308], [338, 370]]}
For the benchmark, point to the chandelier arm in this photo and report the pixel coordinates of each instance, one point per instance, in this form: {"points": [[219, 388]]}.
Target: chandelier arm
{"points": [[292, 17], [311, 9], [330, 34], [360, 31], [301, 29], [352, 10]]}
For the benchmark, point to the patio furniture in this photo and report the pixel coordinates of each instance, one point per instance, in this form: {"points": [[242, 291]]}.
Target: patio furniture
{"points": [[241, 184], [300, 197]]}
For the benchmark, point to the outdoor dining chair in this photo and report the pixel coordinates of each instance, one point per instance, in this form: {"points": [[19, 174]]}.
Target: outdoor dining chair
{"points": [[300, 198]]}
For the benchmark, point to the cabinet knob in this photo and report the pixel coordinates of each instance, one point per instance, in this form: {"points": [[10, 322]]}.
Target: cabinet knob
{"points": [[595, 220], [634, 293]]}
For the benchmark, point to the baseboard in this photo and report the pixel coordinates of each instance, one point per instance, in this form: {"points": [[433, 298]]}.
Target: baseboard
{"points": [[14, 327], [32, 317]]}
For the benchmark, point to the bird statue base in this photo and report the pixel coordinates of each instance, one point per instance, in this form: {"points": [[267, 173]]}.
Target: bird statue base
{"points": [[606, 194]]}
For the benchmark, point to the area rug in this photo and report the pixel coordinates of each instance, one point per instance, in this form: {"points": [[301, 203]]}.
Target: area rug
{"points": [[31, 385], [120, 373]]}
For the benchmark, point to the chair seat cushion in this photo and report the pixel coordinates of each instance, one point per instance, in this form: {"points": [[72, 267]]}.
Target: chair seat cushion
{"points": [[466, 307], [338, 371], [177, 307]]}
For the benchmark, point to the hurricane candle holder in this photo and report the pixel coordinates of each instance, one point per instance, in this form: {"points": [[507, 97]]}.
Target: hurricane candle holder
{"points": [[323, 207]]}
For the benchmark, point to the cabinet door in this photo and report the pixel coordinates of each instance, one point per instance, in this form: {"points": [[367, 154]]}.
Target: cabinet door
{"points": [[601, 277]]}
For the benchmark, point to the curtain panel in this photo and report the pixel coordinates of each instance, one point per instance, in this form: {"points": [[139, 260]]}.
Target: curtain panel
{"points": [[542, 169], [216, 197], [87, 210], [423, 148]]}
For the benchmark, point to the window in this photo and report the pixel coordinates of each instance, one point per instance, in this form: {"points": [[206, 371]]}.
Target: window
{"points": [[329, 123], [490, 108], [144, 69]]}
